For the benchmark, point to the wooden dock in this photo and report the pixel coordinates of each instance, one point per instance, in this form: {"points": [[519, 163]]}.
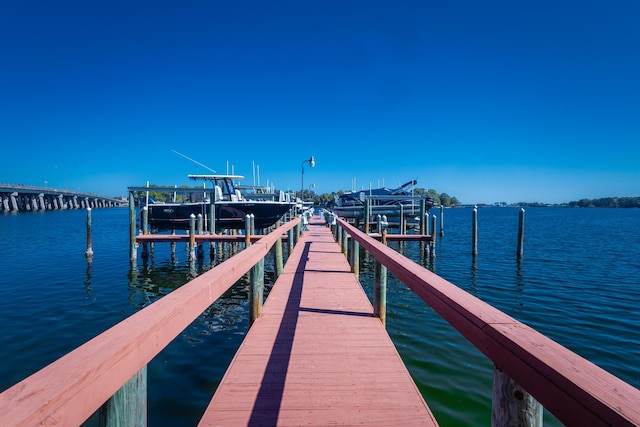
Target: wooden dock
{"points": [[318, 355]]}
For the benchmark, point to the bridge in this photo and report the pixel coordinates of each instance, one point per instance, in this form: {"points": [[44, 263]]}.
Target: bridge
{"points": [[16, 198]]}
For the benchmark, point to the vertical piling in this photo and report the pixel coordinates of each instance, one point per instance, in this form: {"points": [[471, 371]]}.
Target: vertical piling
{"points": [[89, 252], [145, 220], [355, 257], [212, 213], [423, 217], [345, 242], [474, 232], [279, 269], [441, 220], [512, 405], [132, 227], [192, 237], [128, 406], [200, 249], [520, 249], [256, 291], [432, 242], [367, 215], [247, 231], [380, 292]]}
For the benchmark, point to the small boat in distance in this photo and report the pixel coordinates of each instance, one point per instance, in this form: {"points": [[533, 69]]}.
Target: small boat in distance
{"points": [[383, 201], [230, 207]]}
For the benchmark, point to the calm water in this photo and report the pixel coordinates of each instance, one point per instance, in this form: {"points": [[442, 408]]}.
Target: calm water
{"points": [[578, 283]]}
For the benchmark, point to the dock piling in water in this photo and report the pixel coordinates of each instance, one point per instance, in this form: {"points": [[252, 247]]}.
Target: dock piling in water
{"points": [[89, 252], [520, 249]]}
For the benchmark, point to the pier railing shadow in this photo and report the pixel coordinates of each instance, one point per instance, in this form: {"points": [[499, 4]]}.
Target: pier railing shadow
{"points": [[108, 373], [531, 371]]}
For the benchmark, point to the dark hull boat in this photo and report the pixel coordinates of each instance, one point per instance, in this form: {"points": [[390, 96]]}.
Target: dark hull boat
{"points": [[230, 208], [383, 201]]}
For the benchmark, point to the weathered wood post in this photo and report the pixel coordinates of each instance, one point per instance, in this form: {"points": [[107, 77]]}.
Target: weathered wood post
{"points": [[401, 226], [256, 291], [339, 235], [247, 231], [520, 249], [278, 254], [145, 230], [133, 252], [192, 237], [290, 240], [355, 257], [145, 220], [345, 242], [474, 232], [432, 242], [89, 251], [512, 405], [441, 220], [380, 291], [423, 218], [128, 406], [212, 213], [200, 248], [367, 215]]}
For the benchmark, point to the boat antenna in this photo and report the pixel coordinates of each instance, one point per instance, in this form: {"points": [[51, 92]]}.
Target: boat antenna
{"points": [[197, 163]]}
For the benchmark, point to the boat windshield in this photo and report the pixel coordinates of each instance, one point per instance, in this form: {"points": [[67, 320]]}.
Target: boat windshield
{"points": [[226, 185]]}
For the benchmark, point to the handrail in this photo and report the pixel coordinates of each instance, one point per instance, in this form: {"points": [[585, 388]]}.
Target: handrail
{"points": [[573, 389], [71, 389]]}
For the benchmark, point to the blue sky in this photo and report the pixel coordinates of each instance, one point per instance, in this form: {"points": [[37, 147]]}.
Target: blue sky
{"points": [[488, 101]]}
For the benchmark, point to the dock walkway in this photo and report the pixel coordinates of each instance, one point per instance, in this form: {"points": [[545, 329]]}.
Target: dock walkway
{"points": [[317, 355]]}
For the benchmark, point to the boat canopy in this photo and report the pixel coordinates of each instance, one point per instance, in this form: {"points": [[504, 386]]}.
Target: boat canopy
{"points": [[215, 177]]}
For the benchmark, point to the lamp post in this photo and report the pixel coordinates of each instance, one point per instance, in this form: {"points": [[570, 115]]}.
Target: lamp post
{"points": [[312, 163]]}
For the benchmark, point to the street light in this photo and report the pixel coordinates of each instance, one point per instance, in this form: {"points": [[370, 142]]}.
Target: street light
{"points": [[311, 162]]}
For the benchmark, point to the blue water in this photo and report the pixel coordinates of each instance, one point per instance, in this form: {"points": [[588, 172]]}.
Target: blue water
{"points": [[578, 283]]}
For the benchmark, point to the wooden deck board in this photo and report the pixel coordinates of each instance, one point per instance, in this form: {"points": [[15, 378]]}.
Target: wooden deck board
{"points": [[317, 356]]}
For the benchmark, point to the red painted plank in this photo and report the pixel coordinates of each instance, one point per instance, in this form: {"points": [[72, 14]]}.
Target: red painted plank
{"points": [[317, 356]]}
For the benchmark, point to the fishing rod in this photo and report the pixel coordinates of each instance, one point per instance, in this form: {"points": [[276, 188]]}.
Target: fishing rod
{"points": [[197, 163]]}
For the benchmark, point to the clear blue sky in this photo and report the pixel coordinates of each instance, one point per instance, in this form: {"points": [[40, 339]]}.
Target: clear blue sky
{"points": [[488, 101]]}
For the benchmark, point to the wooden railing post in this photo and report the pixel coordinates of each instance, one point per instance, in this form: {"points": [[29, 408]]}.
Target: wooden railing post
{"points": [[278, 254], [345, 242], [380, 291], [512, 405], [128, 406], [355, 257], [256, 291], [290, 240]]}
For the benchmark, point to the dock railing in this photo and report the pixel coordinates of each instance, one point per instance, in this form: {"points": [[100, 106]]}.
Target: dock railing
{"points": [[526, 363], [108, 373]]}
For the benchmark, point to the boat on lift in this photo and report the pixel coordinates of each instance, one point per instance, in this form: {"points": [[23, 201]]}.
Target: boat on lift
{"points": [[383, 201], [230, 206]]}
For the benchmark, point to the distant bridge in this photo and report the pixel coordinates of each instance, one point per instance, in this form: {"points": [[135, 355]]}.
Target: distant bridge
{"points": [[16, 198]]}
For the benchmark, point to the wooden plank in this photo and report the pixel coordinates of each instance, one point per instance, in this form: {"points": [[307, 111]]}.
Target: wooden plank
{"points": [[317, 356]]}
